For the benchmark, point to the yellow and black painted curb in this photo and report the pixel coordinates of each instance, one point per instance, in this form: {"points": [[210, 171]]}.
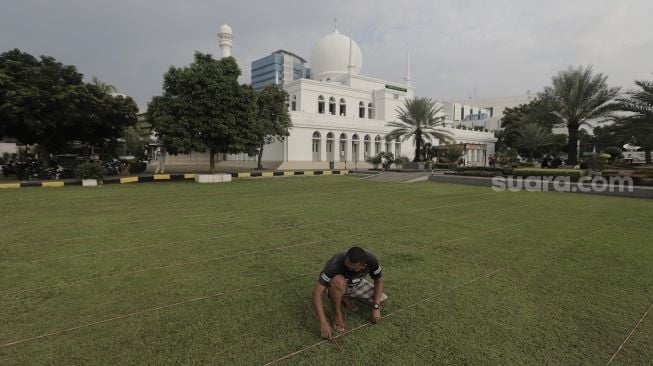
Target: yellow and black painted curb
{"points": [[174, 177]]}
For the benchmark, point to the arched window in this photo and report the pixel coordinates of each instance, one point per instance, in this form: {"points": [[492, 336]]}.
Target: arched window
{"points": [[332, 105], [366, 146], [361, 110], [293, 104], [316, 145], [343, 107], [354, 147], [388, 146], [342, 147], [377, 144], [330, 141], [320, 104], [370, 111]]}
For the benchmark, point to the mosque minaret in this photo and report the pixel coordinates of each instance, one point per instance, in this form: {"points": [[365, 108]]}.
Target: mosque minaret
{"points": [[225, 40]]}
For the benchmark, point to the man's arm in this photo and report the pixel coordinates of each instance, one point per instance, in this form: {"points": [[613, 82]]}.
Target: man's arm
{"points": [[325, 328], [378, 295]]}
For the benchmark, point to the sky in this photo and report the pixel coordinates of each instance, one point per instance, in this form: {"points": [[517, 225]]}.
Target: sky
{"points": [[458, 49]]}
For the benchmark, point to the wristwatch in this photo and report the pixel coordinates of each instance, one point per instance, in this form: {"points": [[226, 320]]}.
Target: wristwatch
{"points": [[376, 306]]}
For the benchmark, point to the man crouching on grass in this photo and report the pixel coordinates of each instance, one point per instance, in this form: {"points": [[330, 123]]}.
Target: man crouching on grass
{"points": [[343, 279]]}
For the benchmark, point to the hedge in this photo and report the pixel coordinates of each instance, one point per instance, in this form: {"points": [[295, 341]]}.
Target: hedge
{"points": [[477, 168], [525, 172], [442, 165]]}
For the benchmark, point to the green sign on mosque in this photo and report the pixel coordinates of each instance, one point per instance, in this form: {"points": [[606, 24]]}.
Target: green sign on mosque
{"points": [[397, 88]]}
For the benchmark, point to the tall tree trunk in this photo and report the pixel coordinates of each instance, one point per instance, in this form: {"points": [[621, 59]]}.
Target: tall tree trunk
{"points": [[44, 155], [418, 141], [260, 156], [572, 148], [212, 161]]}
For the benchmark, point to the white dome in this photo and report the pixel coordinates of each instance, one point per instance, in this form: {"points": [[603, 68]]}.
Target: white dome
{"points": [[225, 29], [330, 56]]}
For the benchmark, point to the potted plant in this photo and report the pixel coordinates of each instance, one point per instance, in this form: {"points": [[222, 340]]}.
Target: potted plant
{"points": [[375, 161], [91, 174], [386, 159], [400, 161]]}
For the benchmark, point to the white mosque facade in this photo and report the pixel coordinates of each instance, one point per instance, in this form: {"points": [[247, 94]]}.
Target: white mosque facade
{"points": [[339, 116]]}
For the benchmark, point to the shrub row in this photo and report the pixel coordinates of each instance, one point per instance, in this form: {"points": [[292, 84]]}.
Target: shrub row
{"points": [[525, 172], [478, 168], [442, 165], [478, 173]]}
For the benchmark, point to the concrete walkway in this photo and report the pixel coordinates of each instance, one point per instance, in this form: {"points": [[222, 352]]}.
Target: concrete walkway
{"points": [[399, 177], [636, 192]]}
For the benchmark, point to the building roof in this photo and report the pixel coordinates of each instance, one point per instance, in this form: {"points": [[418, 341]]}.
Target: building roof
{"points": [[330, 56], [291, 54]]}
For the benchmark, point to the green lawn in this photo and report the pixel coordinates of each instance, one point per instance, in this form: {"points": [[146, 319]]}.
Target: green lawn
{"points": [[182, 273]]}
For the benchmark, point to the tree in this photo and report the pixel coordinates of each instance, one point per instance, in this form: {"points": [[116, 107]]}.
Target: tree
{"points": [[538, 111], [47, 103], [272, 120], [578, 96], [609, 135], [107, 88], [422, 119], [558, 144], [638, 124], [204, 108], [614, 152], [532, 138], [507, 156], [453, 154]]}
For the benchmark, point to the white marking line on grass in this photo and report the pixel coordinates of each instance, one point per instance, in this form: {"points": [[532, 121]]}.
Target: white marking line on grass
{"points": [[12, 245], [208, 297], [104, 212], [158, 229], [72, 282], [174, 242], [630, 335], [219, 236], [422, 301], [165, 307], [148, 310], [340, 346], [385, 316]]}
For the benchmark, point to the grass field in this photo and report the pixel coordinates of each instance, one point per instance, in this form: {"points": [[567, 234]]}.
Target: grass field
{"points": [[182, 273]]}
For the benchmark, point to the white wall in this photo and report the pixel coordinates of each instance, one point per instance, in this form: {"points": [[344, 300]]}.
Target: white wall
{"points": [[8, 147]]}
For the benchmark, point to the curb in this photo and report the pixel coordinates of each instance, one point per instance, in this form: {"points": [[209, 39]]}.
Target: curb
{"points": [[173, 177]]}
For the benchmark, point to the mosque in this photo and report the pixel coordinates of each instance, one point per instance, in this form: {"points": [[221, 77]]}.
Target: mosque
{"points": [[339, 116]]}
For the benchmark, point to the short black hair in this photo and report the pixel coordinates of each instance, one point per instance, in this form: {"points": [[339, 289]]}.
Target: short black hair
{"points": [[357, 255]]}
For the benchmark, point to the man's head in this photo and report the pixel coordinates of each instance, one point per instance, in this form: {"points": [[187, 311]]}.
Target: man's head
{"points": [[355, 259]]}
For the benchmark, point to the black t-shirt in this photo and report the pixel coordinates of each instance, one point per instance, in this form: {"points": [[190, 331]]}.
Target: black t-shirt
{"points": [[336, 266]]}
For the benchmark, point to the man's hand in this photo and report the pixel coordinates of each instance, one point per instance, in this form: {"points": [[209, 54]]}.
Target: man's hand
{"points": [[325, 330], [376, 315]]}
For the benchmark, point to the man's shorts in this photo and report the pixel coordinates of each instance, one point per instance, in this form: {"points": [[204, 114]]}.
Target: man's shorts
{"points": [[363, 291]]}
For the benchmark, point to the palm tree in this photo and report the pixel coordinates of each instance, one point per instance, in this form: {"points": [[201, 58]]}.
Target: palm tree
{"points": [[638, 124], [579, 96], [422, 119], [531, 138]]}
